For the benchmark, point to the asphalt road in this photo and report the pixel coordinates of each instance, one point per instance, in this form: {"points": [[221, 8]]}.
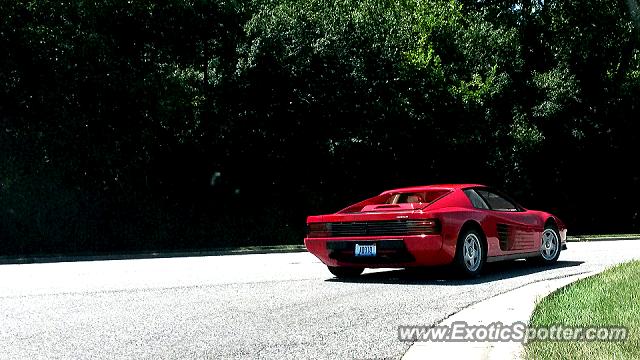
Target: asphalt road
{"points": [[274, 306]]}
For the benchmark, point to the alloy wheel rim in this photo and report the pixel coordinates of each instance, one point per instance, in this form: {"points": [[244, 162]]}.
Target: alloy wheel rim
{"points": [[472, 252], [549, 247]]}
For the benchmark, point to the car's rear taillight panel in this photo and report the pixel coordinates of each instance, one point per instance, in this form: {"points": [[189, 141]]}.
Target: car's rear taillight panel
{"points": [[318, 230], [374, 228]]}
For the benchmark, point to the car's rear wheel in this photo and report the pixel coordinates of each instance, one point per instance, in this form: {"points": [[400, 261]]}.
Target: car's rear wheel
{"points": [[343, 272], [471, 253], [550, 246]]}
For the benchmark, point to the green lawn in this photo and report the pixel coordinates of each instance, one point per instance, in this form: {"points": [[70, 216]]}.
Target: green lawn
{"points": [[611, 298]]}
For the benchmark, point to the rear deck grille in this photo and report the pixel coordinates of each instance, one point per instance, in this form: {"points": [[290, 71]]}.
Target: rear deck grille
{"points": [[382, 228]]}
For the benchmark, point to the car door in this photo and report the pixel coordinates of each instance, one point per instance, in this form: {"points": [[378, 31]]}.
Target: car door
{"points": [[515, 227]]}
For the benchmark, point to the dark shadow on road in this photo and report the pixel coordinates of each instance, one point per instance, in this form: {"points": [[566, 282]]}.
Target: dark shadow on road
{"points": [[444, 275]]}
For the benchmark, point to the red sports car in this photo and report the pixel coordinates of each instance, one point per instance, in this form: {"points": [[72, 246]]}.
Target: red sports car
{"points": [[465, 225]]}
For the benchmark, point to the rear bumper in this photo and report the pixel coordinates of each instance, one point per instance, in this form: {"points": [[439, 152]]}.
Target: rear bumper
{"points": [[392, 251]]}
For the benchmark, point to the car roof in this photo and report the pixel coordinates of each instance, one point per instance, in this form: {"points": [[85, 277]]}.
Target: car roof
{"points": [[433, 187]]}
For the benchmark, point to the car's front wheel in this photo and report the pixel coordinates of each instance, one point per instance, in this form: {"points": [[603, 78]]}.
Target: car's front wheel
{"points": [[549, 247], [471, 253], [343, 272]]}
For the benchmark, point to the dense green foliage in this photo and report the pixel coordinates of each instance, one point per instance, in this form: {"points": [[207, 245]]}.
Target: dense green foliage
{"points": [[175, 124]]}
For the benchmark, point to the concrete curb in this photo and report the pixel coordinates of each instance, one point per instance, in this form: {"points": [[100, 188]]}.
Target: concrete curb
{"points": [[603, 238], [150, 254], [513, 306]]}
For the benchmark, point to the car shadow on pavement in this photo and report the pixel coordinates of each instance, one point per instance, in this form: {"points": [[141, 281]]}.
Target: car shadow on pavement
{"points": [[445, 275]]}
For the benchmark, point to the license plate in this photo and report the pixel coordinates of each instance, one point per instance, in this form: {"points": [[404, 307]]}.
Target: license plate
{"points": [[366, 250]]}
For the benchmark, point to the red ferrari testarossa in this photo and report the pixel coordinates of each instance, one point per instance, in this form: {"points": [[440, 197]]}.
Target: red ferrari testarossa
{"points": [[465, 225]]}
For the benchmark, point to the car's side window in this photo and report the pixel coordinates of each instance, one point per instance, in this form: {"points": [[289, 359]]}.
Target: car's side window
{"points": [[475, 199], [497, 202]]}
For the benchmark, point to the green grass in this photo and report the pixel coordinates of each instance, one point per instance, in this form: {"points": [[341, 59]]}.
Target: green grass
{"points": [[611, 298]]}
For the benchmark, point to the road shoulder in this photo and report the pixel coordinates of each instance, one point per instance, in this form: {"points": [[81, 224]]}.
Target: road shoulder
{"points": [[513, 306]]}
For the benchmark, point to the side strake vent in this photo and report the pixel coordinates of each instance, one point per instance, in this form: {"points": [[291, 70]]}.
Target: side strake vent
{"points": [[374, 228], [503, 236]]}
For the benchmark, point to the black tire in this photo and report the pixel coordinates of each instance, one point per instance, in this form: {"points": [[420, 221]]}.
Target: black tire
{"points": [[547, 257], [344, 272], [471, 265]]}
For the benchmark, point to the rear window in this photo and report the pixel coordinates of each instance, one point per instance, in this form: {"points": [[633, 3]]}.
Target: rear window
{"points": [[427, 196]]}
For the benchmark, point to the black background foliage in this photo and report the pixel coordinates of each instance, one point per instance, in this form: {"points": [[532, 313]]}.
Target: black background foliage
{"points": [[198, 124]]}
